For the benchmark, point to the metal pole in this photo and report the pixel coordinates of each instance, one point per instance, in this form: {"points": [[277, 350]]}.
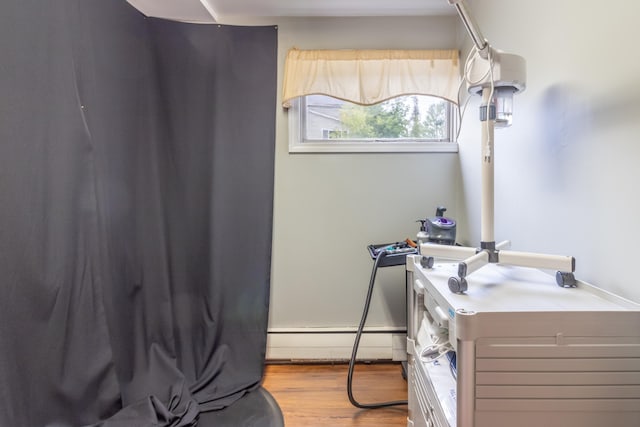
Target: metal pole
{"points": [[472, 27], [487, 200]]}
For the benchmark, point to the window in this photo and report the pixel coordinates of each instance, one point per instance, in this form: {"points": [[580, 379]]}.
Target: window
{"points": [[407, 123], [371, 100]]}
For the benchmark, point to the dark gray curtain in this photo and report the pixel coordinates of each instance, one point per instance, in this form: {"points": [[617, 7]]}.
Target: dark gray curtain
{"points": [[136, 188]]}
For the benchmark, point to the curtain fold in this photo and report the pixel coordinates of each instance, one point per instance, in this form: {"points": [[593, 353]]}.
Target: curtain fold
{"points": [[136, 185], [367, 77]]}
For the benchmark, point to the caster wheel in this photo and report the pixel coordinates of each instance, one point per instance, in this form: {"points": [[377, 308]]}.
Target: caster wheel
{"points": [[458, 286], [426, 262], [565, 280]]}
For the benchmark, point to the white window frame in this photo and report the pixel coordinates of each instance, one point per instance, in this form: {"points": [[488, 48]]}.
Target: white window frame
{"points": [[298, 144]]}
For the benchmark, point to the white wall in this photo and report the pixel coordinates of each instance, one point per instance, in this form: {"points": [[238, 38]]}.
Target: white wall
{"points": [[329, 207], [567, 172]]}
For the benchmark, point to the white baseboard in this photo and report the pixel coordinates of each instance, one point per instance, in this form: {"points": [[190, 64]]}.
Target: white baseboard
{"points": [[313, 344]]}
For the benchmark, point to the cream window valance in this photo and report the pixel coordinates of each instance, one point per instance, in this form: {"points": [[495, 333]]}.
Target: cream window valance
{"points": [[367, 77]]}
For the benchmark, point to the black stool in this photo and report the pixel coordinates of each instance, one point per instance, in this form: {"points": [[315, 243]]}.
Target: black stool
{"points": [[255, 409]]}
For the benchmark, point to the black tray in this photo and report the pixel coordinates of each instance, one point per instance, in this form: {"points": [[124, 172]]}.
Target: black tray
{"points": [[390, 259]]}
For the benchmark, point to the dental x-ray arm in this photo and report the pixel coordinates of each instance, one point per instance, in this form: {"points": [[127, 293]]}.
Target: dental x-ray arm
{"points": [[496, 76]]}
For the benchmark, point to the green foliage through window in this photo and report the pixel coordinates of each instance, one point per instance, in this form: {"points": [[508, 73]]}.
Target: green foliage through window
{"points": [[404, 118]]}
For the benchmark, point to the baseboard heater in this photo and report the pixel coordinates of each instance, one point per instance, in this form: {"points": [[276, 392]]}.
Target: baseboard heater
{"points": [[333, 344]]}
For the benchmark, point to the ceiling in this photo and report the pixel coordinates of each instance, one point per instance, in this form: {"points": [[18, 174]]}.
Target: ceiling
{"points": [[219, 10]]}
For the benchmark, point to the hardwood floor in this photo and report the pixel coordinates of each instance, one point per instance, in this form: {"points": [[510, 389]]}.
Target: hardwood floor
{"points": [[316, 395]]}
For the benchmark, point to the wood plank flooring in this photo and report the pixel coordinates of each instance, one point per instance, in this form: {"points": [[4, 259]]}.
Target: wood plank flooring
{"points": [[315, 395]]}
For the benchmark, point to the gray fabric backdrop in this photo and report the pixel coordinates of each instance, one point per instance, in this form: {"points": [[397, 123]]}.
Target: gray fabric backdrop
{"points": [[136, 188]]}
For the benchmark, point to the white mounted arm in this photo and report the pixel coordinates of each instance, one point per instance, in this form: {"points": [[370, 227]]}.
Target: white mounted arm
{"points": [[472, 27]]}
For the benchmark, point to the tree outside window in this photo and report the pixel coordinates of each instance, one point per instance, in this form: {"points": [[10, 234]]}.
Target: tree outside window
{"points": [[410, 117]]}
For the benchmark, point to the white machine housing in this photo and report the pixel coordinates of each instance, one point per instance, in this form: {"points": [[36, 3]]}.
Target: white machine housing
{"points": [[509, 70], [528, 353], [504, 74]]}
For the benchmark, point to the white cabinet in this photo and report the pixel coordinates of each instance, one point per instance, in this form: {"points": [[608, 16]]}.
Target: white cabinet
{"points": [[528, 353]]}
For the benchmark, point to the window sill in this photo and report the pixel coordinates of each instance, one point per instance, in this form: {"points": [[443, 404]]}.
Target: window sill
{"points": [[368, 147]]}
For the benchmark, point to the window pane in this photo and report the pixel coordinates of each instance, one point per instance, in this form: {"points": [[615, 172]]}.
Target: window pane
{"points": [[407, 118]]}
